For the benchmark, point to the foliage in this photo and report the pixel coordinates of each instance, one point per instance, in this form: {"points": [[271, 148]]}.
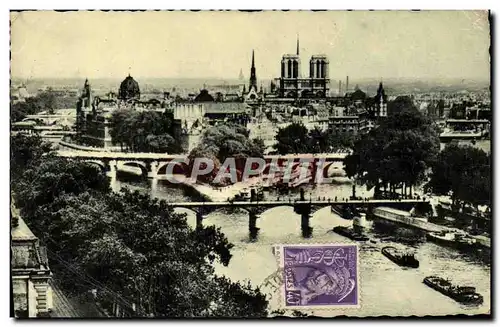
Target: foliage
{"points": [[135, 250], [226, 141], [26, 151], [400, 104], [466, 172], [400, 150], [295, 138], [144, 131], [292, 139], [43, 101]]}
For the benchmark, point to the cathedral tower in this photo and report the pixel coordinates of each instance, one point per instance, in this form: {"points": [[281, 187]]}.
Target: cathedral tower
{"points": [[253, 76]]}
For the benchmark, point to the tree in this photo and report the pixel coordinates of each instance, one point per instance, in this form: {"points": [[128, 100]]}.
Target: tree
{"points": [[135, 250], [397, 153], [226, 141], [146, 131], [465, 172], [44, 101], [25, 151], [400, 104], [292, 139]]}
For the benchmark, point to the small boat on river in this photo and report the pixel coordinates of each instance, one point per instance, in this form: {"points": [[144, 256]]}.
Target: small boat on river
{"points": [[456, 239], [399, 257], [246, 195], [350, 233], [461, 294], [344, 211]]}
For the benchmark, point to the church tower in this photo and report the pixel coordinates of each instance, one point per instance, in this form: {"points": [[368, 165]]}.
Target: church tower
{"points": [[381, 101], [253, 76]]}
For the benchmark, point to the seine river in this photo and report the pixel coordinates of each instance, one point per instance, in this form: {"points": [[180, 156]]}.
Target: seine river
{"points": [[386, 289]]}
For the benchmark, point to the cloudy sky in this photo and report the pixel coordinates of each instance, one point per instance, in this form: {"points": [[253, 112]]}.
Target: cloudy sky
{"points": [[449, 44]]}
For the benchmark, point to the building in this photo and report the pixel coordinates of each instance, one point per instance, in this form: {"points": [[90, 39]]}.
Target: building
{"points": [[31, 275], [291, 84], [349, 121], [94, 112], [253, 95]]}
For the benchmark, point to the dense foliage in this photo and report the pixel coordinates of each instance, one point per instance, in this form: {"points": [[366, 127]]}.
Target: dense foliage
{"points": [[144, 131], [43, 101], [226, 141], [295, 138], [395, 154], [465, 171], [134, 250]]}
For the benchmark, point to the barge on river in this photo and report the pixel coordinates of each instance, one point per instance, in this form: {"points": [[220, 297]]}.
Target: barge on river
{"points": [[461, 294], [400, 258], [458, 240], [350, 233]]}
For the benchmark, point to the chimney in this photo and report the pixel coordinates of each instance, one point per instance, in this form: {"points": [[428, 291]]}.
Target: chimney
{"points": [[347, 84], [340, 87]]}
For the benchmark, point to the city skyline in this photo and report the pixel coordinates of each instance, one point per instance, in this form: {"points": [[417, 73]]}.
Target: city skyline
{"points": [[362, 44]]}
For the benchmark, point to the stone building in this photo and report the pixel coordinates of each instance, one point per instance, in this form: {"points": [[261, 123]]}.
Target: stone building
{"points": [[31, 275], [291, 84]]}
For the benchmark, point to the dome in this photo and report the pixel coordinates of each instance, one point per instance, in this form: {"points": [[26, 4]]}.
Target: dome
{"points": [[129, 89], [204, 96]]}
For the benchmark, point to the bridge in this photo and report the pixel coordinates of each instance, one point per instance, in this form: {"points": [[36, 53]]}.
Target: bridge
{"points": [[52, 119], [154, 165], [301, 206]]}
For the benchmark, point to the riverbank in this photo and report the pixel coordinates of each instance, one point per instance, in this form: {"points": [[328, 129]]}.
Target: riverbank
{"points": [[211, 193]]}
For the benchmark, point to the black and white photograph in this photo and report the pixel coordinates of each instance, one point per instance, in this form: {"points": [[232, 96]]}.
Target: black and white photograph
{"points": [[250, 164]]}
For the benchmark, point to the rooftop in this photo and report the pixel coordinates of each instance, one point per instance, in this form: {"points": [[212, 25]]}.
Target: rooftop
{"points": [[21, 232]]}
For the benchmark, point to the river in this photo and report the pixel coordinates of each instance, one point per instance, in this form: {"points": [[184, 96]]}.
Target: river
{"points": [[385, 288]]}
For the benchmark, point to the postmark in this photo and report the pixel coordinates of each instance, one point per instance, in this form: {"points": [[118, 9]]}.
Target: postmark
{"points": [[319, 276]]}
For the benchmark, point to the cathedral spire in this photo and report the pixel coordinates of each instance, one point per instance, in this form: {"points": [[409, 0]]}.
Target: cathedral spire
{"points": [[253, 76]]}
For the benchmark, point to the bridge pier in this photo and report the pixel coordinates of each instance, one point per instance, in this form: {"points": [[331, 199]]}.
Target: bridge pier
{"points": [[152, 169], [111, 173], [199, 220], [304, 209], [154, 185], [304, 224], [253, 230]]}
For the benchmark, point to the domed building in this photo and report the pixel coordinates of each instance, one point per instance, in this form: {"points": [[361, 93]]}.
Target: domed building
{"points": [[129, 89]]}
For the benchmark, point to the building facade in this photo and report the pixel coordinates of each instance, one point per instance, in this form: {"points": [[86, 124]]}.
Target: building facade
{"points": [[31, 275], [292, 84]]}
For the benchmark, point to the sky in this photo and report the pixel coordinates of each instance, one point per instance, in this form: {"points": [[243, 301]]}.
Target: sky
{"points": [[361, 44]]}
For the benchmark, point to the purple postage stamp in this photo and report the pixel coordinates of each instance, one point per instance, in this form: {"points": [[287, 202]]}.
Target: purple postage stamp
{"points": [[319, 275]]}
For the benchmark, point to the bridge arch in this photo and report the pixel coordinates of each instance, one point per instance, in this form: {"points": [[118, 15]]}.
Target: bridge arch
{"points": [[179, 168], [333, 168], [101, 165], [135, 164], [33, 120]]}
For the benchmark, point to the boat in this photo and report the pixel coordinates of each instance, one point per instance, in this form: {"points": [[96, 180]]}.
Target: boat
{"points": [[360, 220], [344, 211], [246, 195], [349, 233], [243, 195], [461, 294], [399, 257], [455, 239]]}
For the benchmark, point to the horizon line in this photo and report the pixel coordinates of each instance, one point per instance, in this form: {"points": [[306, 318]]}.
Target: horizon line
{"points": [[351, 78]]}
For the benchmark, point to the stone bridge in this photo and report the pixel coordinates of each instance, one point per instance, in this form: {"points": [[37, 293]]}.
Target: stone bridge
{"points": [[300, 205], [153, 165], [59, 119]]}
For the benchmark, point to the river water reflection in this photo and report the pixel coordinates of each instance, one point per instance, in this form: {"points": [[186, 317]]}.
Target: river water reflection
{"points": [[386, 289]]}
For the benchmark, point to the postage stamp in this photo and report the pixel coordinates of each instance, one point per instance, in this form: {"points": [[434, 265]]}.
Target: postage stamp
{"points": [[319, 276]]}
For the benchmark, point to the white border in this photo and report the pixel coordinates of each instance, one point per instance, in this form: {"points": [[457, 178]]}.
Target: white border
{"points": [[196, 4]]}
